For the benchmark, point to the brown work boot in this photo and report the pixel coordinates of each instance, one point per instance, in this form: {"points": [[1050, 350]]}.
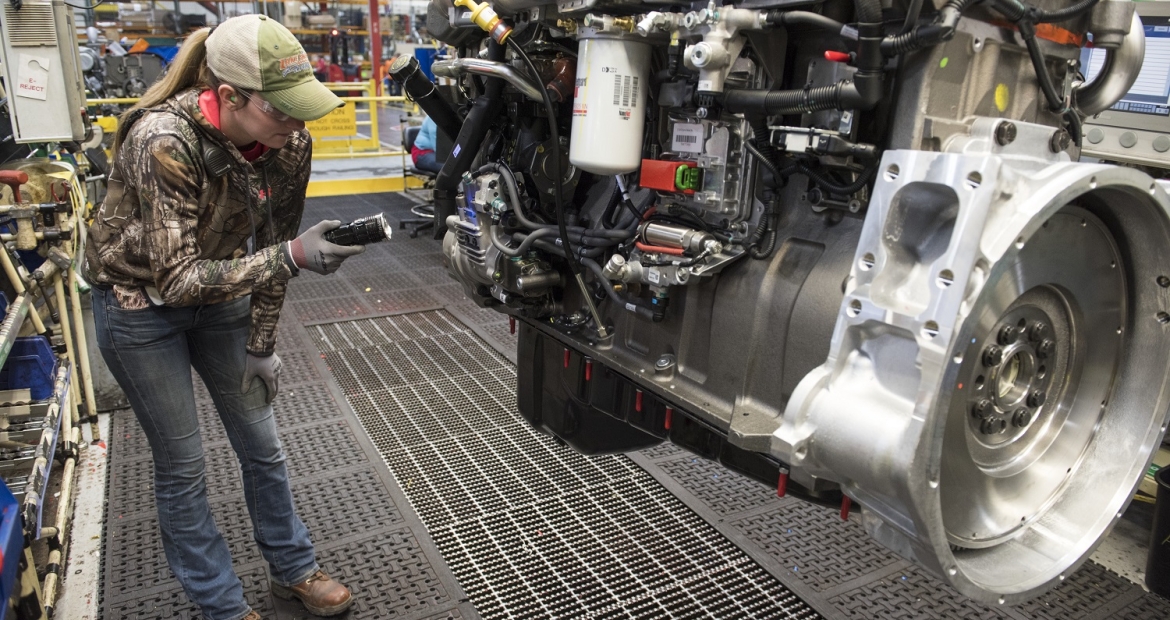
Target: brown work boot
{"points": [[319, 594]]}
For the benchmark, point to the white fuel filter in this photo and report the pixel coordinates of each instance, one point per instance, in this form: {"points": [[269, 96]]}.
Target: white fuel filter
{"points": [[609, 105]]}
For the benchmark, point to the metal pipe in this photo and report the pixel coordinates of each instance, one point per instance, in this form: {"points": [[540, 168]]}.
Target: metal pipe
{"points": [[1117, 75], [67, 333], [18, 285], [455, 67], [83, 356]]}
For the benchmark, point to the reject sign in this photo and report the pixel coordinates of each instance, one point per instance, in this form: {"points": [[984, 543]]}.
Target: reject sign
{"points": [[33, 77]]}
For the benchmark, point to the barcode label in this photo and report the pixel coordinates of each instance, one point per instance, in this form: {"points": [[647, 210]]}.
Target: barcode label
{"points": [[625, 91], [687, 138], [617, 90]]}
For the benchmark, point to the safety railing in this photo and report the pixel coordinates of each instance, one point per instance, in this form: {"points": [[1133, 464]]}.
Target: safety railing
{"points": [[348, 132]]}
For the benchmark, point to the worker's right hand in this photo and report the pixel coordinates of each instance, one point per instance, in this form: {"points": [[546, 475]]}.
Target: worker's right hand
{"points": [[313, 252]]}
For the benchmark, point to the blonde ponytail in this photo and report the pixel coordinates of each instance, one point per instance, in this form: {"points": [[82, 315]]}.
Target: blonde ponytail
{"points": [[187, 70]]}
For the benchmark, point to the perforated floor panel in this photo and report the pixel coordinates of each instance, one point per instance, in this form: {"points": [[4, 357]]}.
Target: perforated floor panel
{"points": [[429, 496]]}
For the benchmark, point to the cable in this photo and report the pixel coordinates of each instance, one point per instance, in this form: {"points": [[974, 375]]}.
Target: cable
{"points": [[912, 14], [89, 7], [826, 183], [763, 160], [558, 178], [574, 264]]}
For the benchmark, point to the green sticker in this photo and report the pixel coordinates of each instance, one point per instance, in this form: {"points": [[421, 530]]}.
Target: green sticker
{"points": [[942, 64]]}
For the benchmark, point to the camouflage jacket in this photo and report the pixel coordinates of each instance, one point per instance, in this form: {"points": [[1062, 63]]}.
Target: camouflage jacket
{"points": [[167, 222]]}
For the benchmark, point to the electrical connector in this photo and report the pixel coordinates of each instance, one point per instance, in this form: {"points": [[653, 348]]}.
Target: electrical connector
{"points": [[486, 18]]}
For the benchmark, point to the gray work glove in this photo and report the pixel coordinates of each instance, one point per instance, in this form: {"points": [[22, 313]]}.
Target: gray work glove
{"points": [[264, 367], [311, 251]]}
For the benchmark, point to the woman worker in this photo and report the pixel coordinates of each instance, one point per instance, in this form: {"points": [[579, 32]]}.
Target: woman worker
{"points": [[189, 256]]}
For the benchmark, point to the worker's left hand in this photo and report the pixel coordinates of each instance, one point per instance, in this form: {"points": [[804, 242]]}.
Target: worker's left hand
{"points": [[267, 368]]}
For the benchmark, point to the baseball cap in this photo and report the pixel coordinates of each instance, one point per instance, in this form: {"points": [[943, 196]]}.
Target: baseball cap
{"points": [[261, 55]]}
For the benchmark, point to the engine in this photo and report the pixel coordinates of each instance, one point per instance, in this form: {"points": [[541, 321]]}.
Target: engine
{"points": [[844, 247]]}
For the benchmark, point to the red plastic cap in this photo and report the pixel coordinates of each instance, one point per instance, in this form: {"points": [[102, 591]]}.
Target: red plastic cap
{"points": [[659, 175], [837, 56]]}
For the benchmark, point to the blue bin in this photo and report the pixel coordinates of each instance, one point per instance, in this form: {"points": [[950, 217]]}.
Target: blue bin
{"points": [[11, 545], [32, 365], [426, 58]]}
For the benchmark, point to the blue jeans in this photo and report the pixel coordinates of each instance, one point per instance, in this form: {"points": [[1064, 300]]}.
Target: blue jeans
{"points": [[428, 162], [150, 352]]}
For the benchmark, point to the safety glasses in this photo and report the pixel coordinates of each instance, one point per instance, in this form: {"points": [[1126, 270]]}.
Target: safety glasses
{"points": [[264, 106]]}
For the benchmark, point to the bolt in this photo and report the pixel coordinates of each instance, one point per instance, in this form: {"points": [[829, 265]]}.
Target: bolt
{"points": [[1021, 418], [991, 426], [982, 408], [1008, 334], [1060, 141], [1037, 331], [1036, 398], [1045, 348], [702, 113], [1005, 133], [992, 355], [497, 276]]}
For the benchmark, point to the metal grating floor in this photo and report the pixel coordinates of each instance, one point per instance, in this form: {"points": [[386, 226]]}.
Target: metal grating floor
{"points": [[530, 528], [425, 492]]}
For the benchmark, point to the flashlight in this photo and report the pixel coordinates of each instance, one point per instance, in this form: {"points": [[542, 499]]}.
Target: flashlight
{"points": [[361, 231]]}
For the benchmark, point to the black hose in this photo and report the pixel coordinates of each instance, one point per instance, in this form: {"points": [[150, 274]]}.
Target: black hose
{"points": [[484, 111], [1025, 17], [862, 93], [1040, 16], [825, 182], [764, 161], [617, 298], [808, 18], [406, 71], [513, 193], [524, 245], [574, 265], [1028, 33], [943, 29]]}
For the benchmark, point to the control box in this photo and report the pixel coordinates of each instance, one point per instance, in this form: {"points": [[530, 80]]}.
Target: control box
{"points": [[42, 71]]}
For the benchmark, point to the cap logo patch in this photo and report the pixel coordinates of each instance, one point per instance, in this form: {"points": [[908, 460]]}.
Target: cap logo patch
{"points": [[294, 63]]}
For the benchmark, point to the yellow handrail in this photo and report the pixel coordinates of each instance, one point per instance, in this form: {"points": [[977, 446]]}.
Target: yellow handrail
{"points": [[329, 148]]}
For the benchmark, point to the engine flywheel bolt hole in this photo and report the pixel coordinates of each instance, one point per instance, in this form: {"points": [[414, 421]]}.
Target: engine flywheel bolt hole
{"points": [[930, 329], [854, 308], [1163, 318], [974, 180], [867, 262], [979, 381], [992, 355], [1008, 334], [892, 172], [946, 278], [1164, 281], [1020, 243], [1041, 372]]}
